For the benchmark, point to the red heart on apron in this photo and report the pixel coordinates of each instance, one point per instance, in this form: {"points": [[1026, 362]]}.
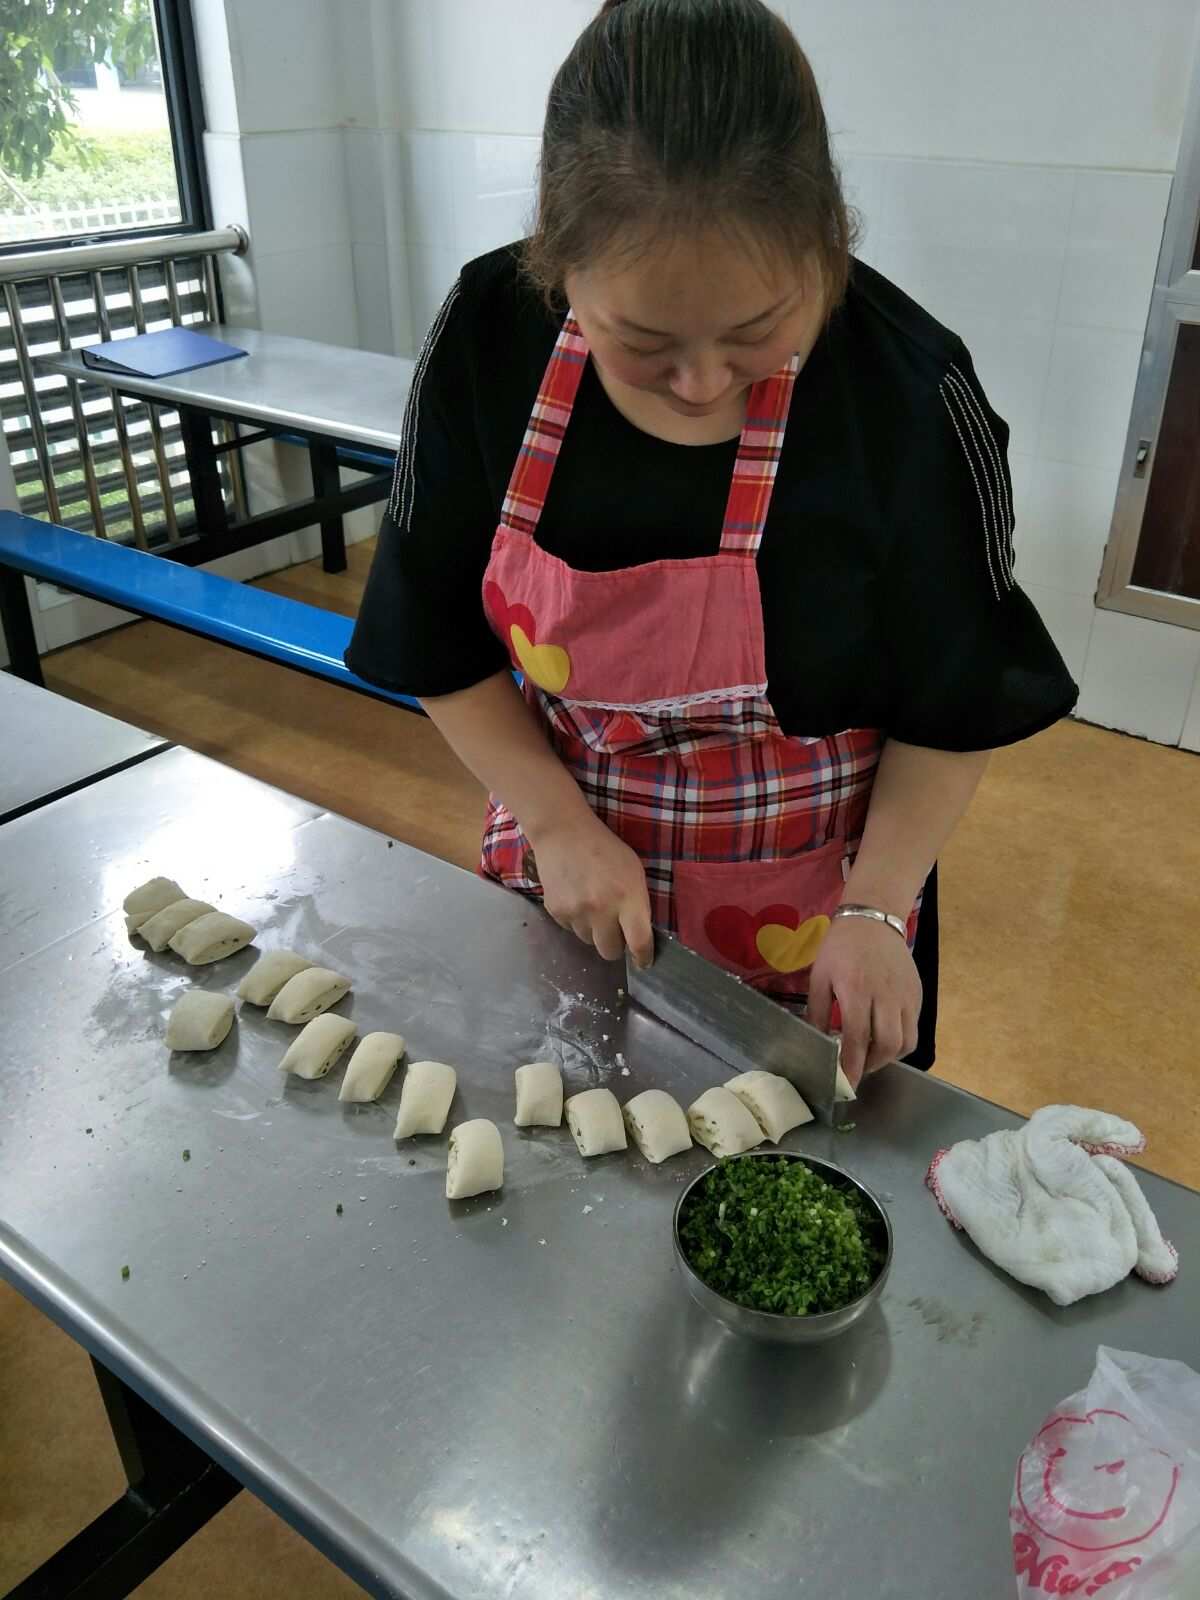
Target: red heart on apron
{"points": [[733, 932], [507, 617], [547, 664]]}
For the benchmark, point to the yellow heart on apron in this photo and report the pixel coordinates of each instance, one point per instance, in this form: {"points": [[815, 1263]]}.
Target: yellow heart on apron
{"points": [[548, 665], [790, 949]]}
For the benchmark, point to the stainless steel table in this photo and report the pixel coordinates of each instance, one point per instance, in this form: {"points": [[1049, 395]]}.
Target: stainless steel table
{"points": [[338, 402], [53, 745], [510, 1396], [354, 395]]}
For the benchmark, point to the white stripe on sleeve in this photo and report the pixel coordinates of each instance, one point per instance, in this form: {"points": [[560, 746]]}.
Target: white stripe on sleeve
{"points": [[985, 459], [404, 479]]}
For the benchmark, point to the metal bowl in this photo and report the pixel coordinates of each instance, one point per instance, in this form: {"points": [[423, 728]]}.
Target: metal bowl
{"points": [[775, 1327]]}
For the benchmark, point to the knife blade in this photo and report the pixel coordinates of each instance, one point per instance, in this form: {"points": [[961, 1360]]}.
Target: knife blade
{"points": [[740, 1026]]}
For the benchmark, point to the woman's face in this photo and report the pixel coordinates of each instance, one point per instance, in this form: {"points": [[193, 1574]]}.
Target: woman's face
{"points": [[697, 321]]}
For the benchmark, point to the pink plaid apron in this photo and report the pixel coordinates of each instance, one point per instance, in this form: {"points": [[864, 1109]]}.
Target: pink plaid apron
{"points": [[652, 683]]}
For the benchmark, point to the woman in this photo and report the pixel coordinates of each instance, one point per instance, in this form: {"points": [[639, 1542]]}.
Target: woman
{"points": [[738, 512]]}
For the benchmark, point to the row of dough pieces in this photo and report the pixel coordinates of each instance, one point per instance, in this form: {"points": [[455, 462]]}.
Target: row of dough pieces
{"points": [[294, 988], [726, 1120], [162, 914]]}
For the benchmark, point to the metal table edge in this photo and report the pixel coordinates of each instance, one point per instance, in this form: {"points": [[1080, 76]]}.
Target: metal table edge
{"points": [[300, 1501], [161, 391]]}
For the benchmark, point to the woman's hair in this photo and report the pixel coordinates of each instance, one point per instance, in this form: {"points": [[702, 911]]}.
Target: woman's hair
{"points": [[673, 114]]}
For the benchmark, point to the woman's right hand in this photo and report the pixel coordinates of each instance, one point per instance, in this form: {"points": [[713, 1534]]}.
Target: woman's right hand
{"points": [[595, 885]]}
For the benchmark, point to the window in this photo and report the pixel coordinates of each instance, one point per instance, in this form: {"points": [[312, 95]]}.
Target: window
{"points": [[101, 465], [99, 125]]}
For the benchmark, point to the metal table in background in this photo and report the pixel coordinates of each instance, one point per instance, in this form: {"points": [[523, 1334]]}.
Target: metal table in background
{"points": [[53, 745], [344, 406], [510, 1396]]}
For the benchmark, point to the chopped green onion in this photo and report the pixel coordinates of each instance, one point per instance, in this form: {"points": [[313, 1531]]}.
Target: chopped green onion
{"points": [[775, 1236]]}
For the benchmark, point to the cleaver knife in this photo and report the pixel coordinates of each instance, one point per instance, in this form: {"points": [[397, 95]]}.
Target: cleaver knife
{"points": [[739, 1025]]}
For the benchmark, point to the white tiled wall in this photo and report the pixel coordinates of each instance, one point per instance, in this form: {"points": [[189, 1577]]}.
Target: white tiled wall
{"points": [[1073, 83], [1046, 272], [465, 194], [1140, 676], [1025, 211]]}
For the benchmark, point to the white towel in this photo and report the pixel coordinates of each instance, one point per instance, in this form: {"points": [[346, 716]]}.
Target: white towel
{"points": [[1049, 1203]]}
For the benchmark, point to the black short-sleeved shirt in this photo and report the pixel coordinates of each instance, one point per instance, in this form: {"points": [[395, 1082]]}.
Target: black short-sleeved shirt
{"points": [[885, 566]]}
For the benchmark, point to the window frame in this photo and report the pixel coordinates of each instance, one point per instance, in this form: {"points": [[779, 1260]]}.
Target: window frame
{"points": [[1175, 301], [185, 118]]}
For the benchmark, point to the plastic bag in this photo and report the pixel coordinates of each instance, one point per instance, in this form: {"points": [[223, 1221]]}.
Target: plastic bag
{"points": [[1107, 1496]]}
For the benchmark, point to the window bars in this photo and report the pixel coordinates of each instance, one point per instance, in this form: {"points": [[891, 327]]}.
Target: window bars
{"points": [[82, 455]]}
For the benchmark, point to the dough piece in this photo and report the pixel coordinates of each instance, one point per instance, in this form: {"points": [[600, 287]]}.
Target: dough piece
{"points": [[161, 928], [721, 1123], [147, 898], [317, 1046], [539, 1095], [657, 1125], [370, 1068], [269, 974], [773, 1101], [425, 1099], [307, 994], [595, 1121], [842, 1088], [475, 1164], [210, 937], [199, 1021]]}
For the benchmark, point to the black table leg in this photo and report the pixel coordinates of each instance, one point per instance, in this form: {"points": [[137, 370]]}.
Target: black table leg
{"points": [[207, 497], [327, 481], [17, 621], [174, 1488]]}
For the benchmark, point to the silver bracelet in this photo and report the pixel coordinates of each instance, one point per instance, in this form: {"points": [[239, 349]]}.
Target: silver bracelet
{"points": [[894, 923]]}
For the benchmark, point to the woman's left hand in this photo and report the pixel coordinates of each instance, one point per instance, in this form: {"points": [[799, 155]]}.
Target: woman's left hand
{"points": [[867, 968]]}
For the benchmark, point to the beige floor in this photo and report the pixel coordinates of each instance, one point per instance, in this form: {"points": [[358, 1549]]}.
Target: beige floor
{"points": [[1070, 958]]}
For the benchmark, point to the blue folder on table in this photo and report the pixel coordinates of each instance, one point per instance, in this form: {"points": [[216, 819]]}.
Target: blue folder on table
{"points": [[159, 355]]}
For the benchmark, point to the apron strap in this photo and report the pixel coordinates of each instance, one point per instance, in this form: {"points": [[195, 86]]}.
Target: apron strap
{"points": [[529, 484], [758, 461], [754, 470]]}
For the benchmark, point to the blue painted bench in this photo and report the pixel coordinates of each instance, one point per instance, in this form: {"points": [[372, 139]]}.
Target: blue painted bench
{"points": [[262, 624]]}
